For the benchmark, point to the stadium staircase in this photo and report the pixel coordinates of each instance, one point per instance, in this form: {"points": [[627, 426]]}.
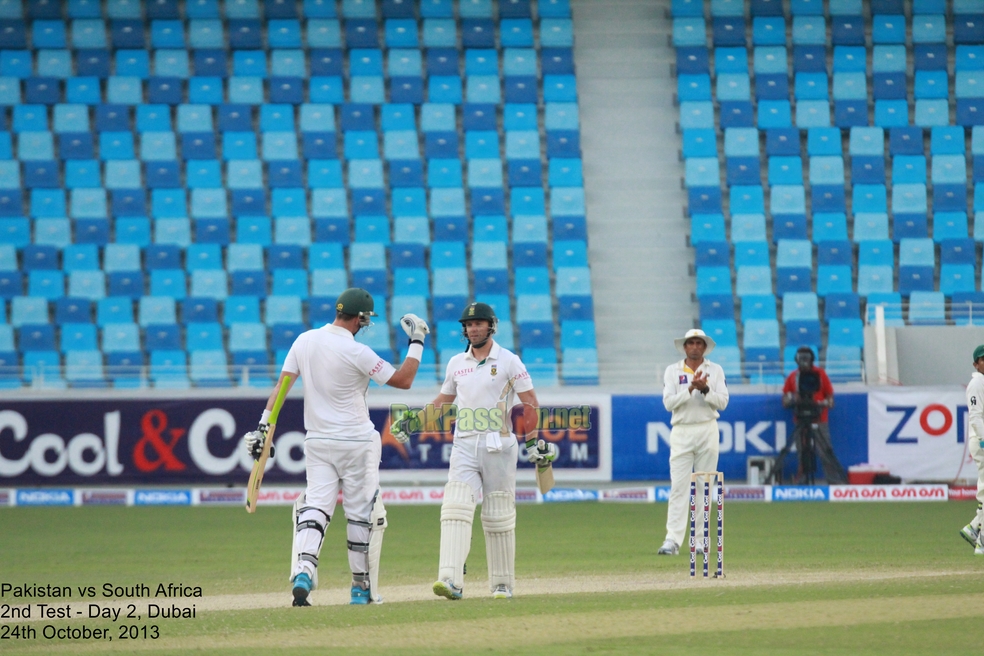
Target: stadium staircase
{"points": [[641, 263]]}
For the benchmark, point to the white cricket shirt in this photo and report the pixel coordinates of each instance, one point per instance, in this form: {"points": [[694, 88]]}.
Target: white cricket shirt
{"points": [[975, 406], [482, 385], [336, 370], [693, 407]]}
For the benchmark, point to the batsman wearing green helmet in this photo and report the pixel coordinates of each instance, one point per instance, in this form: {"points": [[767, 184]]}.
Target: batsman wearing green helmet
{"points": [[483, 383], [975, 416], [341, 446]]}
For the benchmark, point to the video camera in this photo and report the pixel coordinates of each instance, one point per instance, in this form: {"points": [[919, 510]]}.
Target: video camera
{"points": [[805, 408]]}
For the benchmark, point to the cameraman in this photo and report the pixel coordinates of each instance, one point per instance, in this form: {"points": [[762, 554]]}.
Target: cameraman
{"points": [[809, 392]]}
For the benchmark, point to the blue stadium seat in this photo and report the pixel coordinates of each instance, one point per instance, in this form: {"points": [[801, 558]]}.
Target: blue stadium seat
{"points": [[750, 253], [842, 306], [756, 306], [717, 306]]}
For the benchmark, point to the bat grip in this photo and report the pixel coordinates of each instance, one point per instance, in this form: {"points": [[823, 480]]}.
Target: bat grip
{"points": [[279, 402]]}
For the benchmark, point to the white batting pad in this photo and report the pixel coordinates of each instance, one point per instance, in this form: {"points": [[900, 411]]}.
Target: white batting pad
{"points": [[499, 523], [377, 520], [457, 515], [309, 526]]}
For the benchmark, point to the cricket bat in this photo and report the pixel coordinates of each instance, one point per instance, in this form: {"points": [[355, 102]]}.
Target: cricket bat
{"points": [[544, 476], [256, 476]]}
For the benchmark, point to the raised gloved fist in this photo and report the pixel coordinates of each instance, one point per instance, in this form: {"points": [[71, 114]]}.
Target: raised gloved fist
{"points": [[541, 451], [254, 442], [404, 425], [415, 327]]}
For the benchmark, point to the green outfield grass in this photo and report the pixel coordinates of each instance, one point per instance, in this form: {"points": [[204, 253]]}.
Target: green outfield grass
{"points": [[802, 578]]}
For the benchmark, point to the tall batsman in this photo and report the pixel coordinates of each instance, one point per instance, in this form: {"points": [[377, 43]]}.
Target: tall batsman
{"points": [[484, 380], [341, 448], [975, 415], [695, 392]]}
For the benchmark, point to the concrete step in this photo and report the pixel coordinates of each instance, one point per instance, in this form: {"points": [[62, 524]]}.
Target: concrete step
{"points": [[637, 233]]}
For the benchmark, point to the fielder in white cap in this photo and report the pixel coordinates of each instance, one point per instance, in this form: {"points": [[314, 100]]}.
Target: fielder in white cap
{"points": [[695, 392], [972, 532]]}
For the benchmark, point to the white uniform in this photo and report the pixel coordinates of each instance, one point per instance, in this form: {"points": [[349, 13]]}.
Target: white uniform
{"points": [[975, 417], [342, 447], [476, 458], [484, 460], [694, 438]]}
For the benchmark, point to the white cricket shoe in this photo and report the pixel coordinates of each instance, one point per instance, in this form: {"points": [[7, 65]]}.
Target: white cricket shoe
{"points": [[501, 592], [669, 548], [979, 550], [969, 533], [446, 588]]}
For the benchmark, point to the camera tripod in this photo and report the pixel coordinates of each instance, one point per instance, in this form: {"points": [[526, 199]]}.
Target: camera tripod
{"points": [[805, 438]]}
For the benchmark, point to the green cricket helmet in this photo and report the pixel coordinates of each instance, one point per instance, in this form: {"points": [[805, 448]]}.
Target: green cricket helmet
{"points": [[479, 311], [356, 302]]}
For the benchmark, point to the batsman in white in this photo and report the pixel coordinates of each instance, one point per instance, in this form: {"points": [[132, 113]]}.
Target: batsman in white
{"points": [[975, 416], [694, 390], [483, 381], [341, 447]]}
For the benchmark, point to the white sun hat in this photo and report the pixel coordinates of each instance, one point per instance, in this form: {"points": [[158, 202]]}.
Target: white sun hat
{"points": [[695, 332]]}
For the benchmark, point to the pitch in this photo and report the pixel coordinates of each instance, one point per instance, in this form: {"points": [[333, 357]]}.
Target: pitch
{"points": [[801, 578]]}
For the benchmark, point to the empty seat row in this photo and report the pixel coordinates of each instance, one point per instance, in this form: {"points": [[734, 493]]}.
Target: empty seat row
{"points": [[863, 141], [319, 118], [92, 33], [682, 8], [218, 283], [533, 231], [253, 257], [284, 63], [172, 9], [32, 310], [850, 30], [696, 60], [254, 90], [844, 86]]}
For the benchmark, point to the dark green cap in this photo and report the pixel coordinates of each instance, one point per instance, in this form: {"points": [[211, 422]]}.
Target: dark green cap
{"points": [[355, 302], [478, 311], [979, 352]]}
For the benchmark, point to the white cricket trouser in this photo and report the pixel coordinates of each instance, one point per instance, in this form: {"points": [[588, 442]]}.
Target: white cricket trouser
{"points": [[978, 454], [474, 464], [693, 447], [353, 466]]}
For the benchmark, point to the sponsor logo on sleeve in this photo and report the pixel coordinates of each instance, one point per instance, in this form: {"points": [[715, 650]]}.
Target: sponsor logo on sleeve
{"points": [[162, 498], [45, 498]]}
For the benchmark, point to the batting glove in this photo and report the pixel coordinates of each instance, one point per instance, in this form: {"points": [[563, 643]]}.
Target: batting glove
{"points": [[254, 442], [541, 451], [406, 424], [415, 327]]}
